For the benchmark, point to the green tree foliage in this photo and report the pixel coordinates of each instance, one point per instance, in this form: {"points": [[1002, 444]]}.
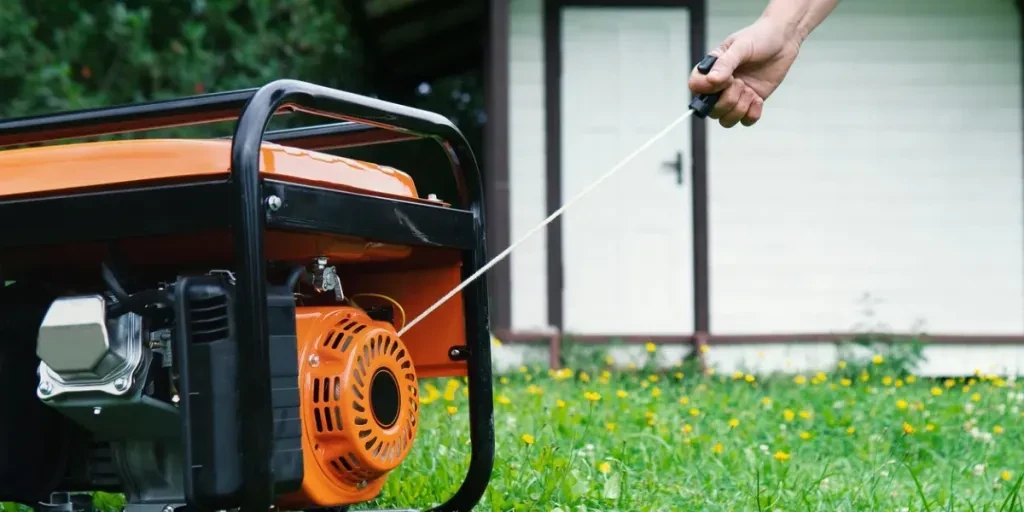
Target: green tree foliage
{"points": [[64, 55]]}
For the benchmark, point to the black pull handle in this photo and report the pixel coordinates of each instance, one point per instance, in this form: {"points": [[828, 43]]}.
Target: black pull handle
{"points": [[676, 166], [703, 103]]}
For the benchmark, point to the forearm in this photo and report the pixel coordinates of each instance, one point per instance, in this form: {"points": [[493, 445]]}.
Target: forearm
{"points": [[799, 17]]}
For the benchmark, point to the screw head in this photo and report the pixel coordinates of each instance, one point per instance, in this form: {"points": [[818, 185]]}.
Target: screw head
{"points": [[314, 360], [121, 384], [274, 203], [46, 387]]}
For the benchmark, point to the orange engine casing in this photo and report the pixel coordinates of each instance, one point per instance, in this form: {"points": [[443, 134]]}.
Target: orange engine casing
{"points": [[359, 403]]}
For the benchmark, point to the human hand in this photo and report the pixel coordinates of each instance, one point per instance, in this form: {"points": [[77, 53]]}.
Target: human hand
{"points": [[751, 64]]}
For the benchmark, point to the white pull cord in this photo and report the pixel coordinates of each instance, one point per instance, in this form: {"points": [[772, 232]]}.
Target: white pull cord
{"points": [[504, 254]]}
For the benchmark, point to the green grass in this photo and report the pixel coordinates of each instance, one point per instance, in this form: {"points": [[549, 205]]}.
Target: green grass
{"points": [[866, 438], [667, 443]]}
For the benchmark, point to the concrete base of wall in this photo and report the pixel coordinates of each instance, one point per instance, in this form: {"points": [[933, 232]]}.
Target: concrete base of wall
{"points": [[763, 359]]}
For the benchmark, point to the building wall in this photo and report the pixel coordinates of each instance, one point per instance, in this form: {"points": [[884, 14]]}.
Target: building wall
{"points": [[527, 164], [886, 189], [887, 168]]}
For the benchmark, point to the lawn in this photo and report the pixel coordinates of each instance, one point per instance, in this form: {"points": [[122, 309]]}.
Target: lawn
{"points": [[866, 437]]}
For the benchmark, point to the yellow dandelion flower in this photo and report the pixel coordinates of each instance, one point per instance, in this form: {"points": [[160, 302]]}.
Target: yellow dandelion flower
{"points": [[650, 421], [851, 429], [788, 415], [901, 404], [592, 396], [949, 383], [604, 468], [878, 359], [452, 410], [584, 377], [527, 438], [976, 397], [911, 379], [527, 377], [609, 360], [653, 378], [564, 374], [684, 400], [534, 389], [621, 393], [704, 349], [717, 448], [694, 411], [805, 414], [737, 375], [733, 423], [655, 392], [523, 369], [965, 389], [678, 375], [908, 428], [651, 347], [687, 429], [800, 379], [605, 374], [821, 376], [998, 430], [560, 403], [631, 366], [749, 378], [610, 427], [936, 391], [503, 380], [781, 456], [766, 401], [805, 435], [899, 383], [842, 364], [846, 382], [887, 381], [644, 384], [929, 427], [1005, 475], [502, 399]]}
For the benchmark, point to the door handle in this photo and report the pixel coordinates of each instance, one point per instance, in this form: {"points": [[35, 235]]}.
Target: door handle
{"points": [[675, 166]]}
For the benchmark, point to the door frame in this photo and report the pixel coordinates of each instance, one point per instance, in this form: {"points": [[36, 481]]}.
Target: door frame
{"points": [[553, 138]]}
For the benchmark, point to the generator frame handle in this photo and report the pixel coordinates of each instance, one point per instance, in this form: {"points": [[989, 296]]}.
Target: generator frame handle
{"points": [[252, 305], [368, 121]]}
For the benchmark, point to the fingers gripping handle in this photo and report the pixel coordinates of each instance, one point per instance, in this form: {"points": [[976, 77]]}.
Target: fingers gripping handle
{"points": [[703, 103]]}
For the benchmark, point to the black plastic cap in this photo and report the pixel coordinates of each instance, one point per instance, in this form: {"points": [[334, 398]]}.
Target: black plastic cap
{"points": [[704, 103]]}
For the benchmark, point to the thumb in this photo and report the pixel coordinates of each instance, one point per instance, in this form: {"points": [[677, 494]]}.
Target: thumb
{"points": [[729, 59]]}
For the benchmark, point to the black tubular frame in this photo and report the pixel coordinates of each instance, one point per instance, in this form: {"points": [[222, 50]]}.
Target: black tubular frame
{"points": [[241, 204]]}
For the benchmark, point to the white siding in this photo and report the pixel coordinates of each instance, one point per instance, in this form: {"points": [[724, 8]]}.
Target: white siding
{"points": [[888, 163], [527, 163]]}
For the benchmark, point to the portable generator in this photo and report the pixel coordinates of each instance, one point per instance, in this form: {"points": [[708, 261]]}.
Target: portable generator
{"points": [[212, 324]]}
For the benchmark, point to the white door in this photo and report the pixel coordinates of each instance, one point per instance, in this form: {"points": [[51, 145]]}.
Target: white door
{"points": [[627, 248]]}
